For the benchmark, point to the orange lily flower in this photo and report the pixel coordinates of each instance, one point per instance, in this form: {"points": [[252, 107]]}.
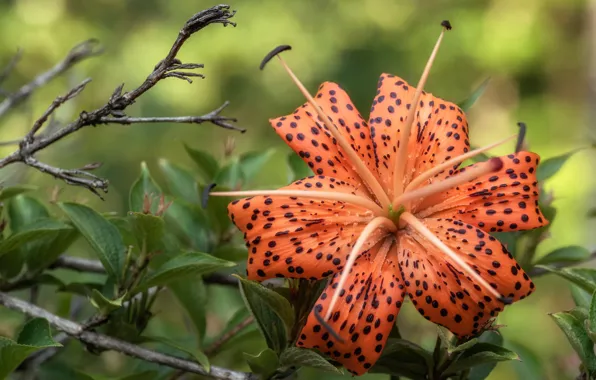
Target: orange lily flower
{"points": [[389, 213]]}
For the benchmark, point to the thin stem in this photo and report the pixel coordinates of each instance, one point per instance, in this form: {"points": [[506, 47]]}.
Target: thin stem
{"points": [[492, 165], [215, 346], [371, 227], [366, 175], [109, 343], [404, 137], [452, 162], [323, 195], [419, 227]]}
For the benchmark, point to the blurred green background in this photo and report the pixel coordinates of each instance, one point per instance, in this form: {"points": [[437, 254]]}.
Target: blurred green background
{"points": [[538, 53]]}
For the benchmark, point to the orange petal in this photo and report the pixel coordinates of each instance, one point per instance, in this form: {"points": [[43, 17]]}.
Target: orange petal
{"points": [[440, 132], [312, 141], [503, 201], [444, 294], [365, 314], [296, 237]]}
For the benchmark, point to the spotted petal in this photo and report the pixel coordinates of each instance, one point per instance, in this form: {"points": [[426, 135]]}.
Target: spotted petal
{"points": [[307, 135], [366, 312], [503, 201], [440, 131], [442, 292], [300, 237]]}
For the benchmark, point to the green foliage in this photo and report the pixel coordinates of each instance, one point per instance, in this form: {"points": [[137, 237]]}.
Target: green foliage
{"points": [[34, 336]]}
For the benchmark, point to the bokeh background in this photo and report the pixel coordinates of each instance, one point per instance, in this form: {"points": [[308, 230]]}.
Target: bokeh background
{"points": [[539, 54]]}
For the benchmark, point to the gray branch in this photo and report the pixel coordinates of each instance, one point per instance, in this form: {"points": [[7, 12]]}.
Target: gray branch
{"points": [[105, 342], [77, 54], [94, 266], [113, 110]]}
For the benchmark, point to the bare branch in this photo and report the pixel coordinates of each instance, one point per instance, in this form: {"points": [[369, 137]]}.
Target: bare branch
{"points": [[105, 342], [94, 266], [215, 346], [113, 110], [212, 117], [10, 66], [77, 54], [60, 100], [78, 264]]}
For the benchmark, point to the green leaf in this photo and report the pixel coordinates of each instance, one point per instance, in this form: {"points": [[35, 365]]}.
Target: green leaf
{"points": [[574, 330], [101, 235], [231, 252], [252, 163], [273, 313], [530, 366], [206, 164], [585, 278], [298, 168], [144, 185], [591, 325], [481, 372], [13, 191], [36, 231], [551, 166], [81, 288], [465, 105], [148, 230], [264, 364], [104, 305], [570, 254], [301, 357], [185, 266], [230, 176], [481, 353], [181, 183], [34, 336], [198, 355], [580, 296], [191, 226], [464, 346], [23, 210], [193, 298], [403, 358]]}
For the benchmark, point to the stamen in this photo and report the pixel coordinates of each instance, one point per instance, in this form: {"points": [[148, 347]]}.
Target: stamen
{"points": [[323, 195], [205, 195], [366, 175], [419, 227], [362, 239], [492, 165], [521, 137], [451, 163], [404, 138]]}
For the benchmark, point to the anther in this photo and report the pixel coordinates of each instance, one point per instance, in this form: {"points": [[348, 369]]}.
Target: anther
{"points": [[519, 146], [446, 24], [205, 195], [272, 54], [495, 163], [506, 300], [327, 326]]}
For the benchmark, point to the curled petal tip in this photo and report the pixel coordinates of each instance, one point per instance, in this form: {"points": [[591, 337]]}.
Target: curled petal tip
{"points": [[496, 163], [446, 24], [273, 53]]}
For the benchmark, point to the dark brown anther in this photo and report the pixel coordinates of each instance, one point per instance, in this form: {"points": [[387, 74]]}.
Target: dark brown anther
{"points": [[327, 327], [205, 195], [446, 24], [520, 137], [273, 53]]}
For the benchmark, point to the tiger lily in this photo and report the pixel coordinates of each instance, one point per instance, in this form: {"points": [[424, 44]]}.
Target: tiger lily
{"points": [[390, 213]]}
